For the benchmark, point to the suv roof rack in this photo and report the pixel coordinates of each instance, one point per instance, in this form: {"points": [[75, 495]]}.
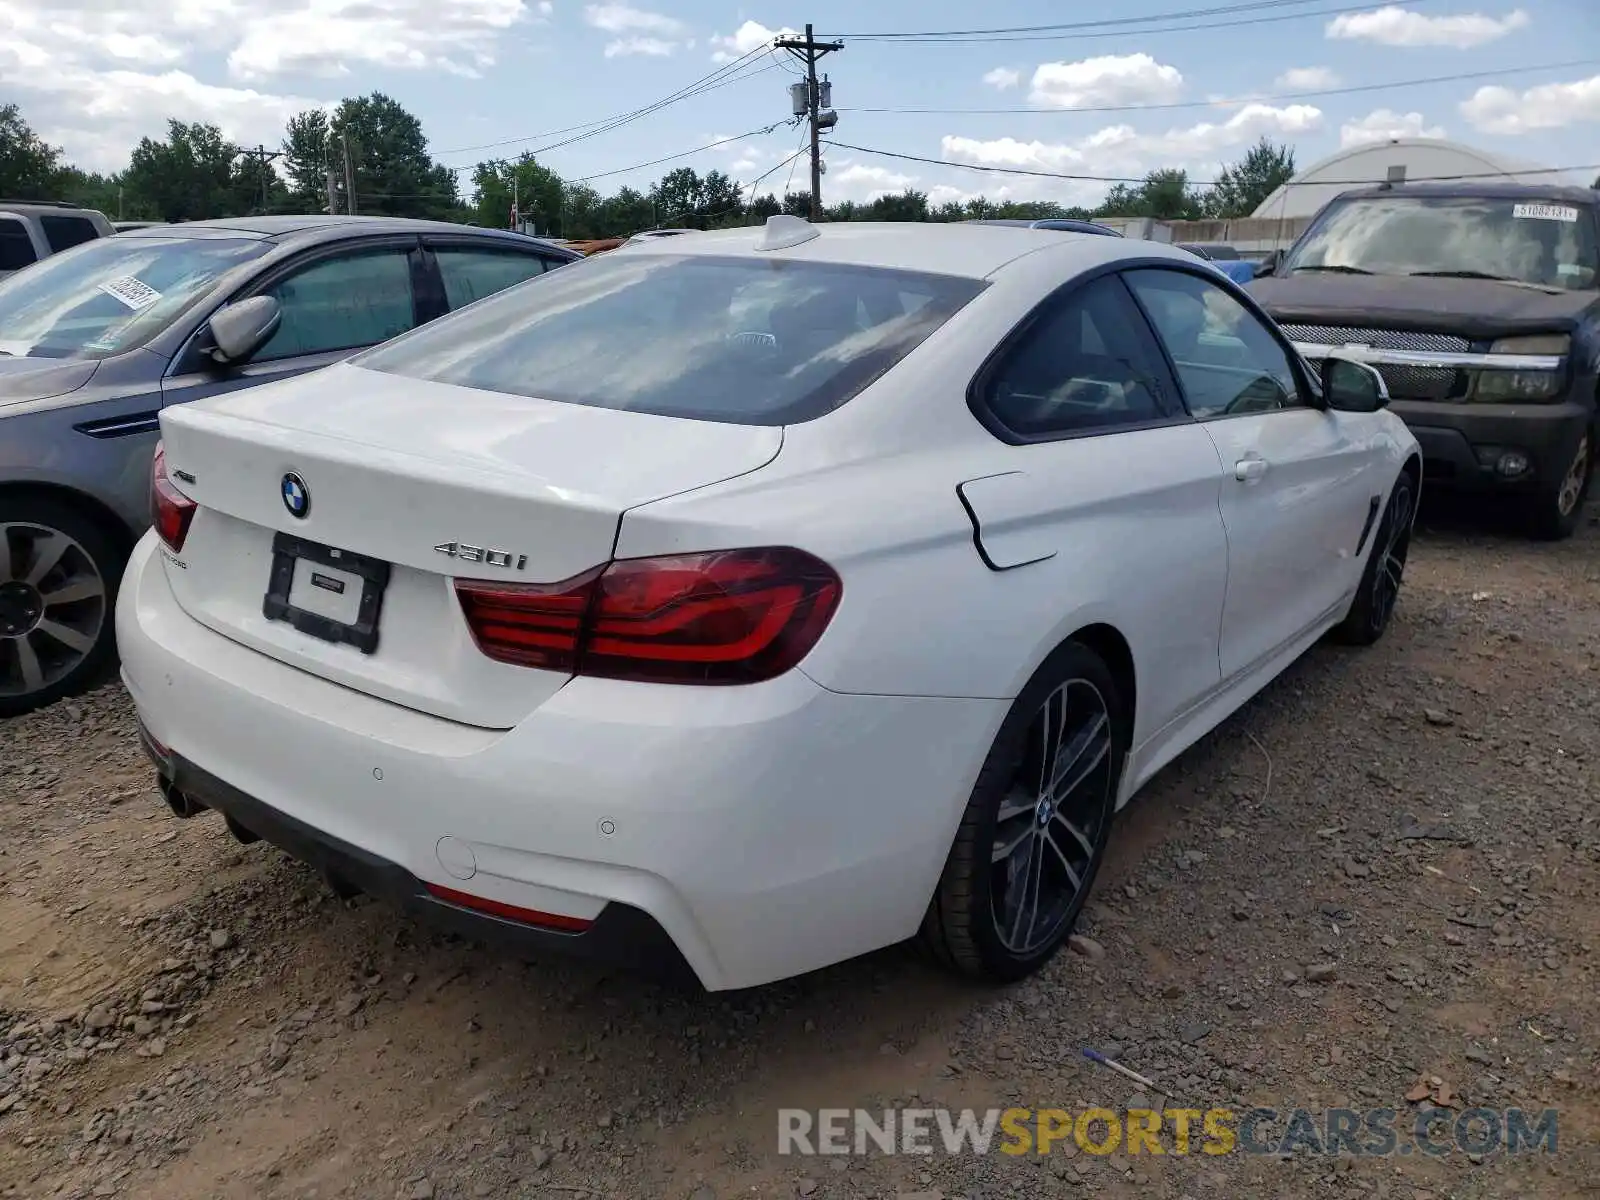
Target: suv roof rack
{"points": [[40, 203]]}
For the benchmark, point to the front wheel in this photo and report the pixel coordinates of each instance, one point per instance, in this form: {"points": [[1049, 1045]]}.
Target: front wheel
{"points": [[1553, 510], [1036, 825], [1379, 590], [58, 585]]}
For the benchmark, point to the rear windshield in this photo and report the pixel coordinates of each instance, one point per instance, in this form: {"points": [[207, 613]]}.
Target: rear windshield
{"points": [[739, 340]]}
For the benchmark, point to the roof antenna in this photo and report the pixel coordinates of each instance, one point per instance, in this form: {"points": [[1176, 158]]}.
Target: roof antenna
{"points": [[783, 231]]}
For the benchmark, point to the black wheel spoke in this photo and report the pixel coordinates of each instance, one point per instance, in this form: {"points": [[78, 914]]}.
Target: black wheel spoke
{"points": [[1048, 825]]}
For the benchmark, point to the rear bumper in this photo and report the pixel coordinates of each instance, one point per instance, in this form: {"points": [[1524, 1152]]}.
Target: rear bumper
{"points": [[766, 830], [1463, 445], [620, 935]]}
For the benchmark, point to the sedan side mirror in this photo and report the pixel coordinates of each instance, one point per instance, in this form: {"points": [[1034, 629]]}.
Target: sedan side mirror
{"points": [[239, 330], [1269, 265], [1351, 386]]}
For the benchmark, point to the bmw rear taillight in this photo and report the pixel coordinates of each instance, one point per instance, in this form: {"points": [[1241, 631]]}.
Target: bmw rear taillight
{"points": [[726, 616], [170, 510]]}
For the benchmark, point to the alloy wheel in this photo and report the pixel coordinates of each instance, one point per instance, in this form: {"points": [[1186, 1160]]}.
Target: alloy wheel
{"points": [[1050, 819], [52, 606], [1572, 485], [1392, 555]]}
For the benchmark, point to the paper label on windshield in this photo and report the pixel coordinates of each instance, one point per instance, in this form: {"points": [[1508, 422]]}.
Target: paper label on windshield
{"points": [[135, 293], [1545, 212]]}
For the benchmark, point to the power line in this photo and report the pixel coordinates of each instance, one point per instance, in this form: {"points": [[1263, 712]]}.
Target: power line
{"points": [[1095, 30], [1026, 32], [738, 137], [1194, 104], [721, 77], [1347, 183]]}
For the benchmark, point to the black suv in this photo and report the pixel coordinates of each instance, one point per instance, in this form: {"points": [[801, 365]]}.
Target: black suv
{"points": [[1480, 304]]}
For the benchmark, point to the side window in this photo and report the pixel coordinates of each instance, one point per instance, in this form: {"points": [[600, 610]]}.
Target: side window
{"points": [[63, 233], [1088, 363], [1226, 360], [343, 303], [16, 250], [472, 274]]}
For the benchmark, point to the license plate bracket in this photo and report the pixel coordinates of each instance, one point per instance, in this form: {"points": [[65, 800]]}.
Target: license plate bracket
{"points": [[287, 552]]}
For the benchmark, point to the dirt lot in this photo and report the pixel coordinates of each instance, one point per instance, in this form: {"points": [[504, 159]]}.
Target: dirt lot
{"points": [[1386, 869]]}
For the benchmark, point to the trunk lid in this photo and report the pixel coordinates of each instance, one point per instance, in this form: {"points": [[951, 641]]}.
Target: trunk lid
{"points": [[394, 469]]}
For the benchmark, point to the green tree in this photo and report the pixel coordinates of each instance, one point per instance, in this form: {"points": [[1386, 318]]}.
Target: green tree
{"points": [[190, 176], [625, 214], [29, 167], [539, 192], [394, 174], [766, 206], [1164, 195], [797, 204], [307, 155], [1243, 186], [102, 192], [909, 205]]}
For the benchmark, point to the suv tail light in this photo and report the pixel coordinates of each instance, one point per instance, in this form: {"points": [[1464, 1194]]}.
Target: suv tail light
{"points": [[170, 510], [727, 616]]}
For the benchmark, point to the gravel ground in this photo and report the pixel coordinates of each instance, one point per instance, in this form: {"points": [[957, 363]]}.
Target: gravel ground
{"points": [[1381, 879]]}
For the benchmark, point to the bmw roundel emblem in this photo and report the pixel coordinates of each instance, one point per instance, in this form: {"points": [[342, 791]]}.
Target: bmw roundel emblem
{"points": [[296, 496]]}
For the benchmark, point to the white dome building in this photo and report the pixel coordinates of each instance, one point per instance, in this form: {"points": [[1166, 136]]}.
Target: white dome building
{"points": [[1396, 160]]}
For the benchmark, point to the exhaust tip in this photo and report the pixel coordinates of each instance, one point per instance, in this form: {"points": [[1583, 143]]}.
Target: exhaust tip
{"points": [[179, 801]]}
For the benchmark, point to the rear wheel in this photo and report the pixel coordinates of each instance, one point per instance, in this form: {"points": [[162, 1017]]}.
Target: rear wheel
{"points": [[1036, 825], [1553, 510], [58, 583]]}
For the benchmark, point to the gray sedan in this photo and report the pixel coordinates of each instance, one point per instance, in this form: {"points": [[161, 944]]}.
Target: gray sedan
{"points": [[96, 340]]}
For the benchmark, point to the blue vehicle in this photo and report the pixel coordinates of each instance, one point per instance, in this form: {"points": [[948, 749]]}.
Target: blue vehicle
{"points": [[1224, 258]]}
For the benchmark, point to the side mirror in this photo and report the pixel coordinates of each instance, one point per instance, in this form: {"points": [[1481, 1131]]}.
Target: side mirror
{"points": [[239, 330], [1350, 386], [1270, 264]]}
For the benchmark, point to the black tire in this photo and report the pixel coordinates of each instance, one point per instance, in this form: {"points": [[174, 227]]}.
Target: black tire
{"points": [[960, 929], [60, 670], [1375, 598], [1552, 513]]}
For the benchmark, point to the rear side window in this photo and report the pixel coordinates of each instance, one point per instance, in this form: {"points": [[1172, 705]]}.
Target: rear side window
{"points": [[1087, 363], [63, 233], [475, 274], [740, 340], [16, 251]]}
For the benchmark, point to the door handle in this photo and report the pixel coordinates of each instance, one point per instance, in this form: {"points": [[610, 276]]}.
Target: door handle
{"points": [[1247, 469]]}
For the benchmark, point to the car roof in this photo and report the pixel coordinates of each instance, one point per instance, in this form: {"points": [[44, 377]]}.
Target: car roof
{"points": [[963, 249], [1480, 189], [321, 227]]}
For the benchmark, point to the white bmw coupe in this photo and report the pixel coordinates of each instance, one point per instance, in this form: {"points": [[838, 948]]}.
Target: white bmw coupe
{"points": [[746, 601]]}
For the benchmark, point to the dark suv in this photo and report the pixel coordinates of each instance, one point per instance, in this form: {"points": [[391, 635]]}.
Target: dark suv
{"points": [[1480, 304]]}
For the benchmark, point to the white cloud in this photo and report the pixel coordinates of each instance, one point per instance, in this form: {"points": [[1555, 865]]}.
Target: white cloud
{"points": [[863, 183], [621, 18], [1306, 79], [1548, 106], [1003, 78], [1120, 150], [749, 37], [1105, 81], [1382, 124], [655, 47], [1395, 26], [546, 8], [327, 37]]}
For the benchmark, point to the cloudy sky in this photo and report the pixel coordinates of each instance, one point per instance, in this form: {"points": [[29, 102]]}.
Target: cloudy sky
{"points": [[498, 76]]}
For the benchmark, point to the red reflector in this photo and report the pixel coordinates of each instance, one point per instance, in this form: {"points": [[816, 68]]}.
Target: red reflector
{"points": [[510, 912], [170, 510], [722, 617]]}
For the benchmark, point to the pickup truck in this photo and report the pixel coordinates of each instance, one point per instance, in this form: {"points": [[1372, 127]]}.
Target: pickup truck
{"points": [[35, 229], [1479, 303]]}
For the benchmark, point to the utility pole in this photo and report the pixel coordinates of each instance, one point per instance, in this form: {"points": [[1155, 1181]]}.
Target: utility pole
{"points": [[262, 157], [349, 177], [333, 191], [809, 52]]}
